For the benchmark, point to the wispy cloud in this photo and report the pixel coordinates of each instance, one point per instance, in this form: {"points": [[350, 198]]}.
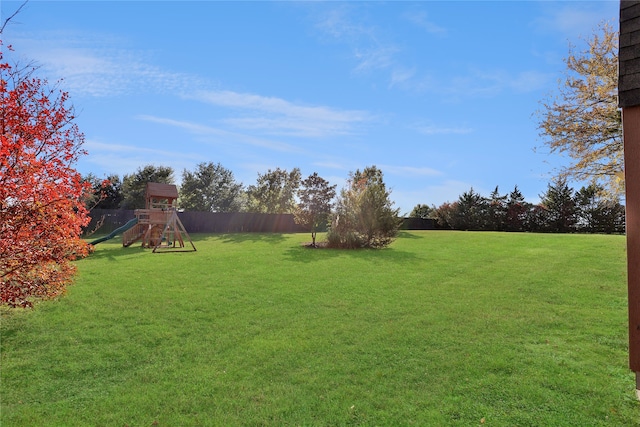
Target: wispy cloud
{"points": [[574, 19], [90, 65], [400, 75], [93, 66], [221, 136], [375, 57], [345, 25], [122, 159], [92, 145], [277, 116], [421, 19], [487, 83]]}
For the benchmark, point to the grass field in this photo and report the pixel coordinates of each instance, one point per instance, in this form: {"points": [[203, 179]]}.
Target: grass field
{"points": [[441, 328]]}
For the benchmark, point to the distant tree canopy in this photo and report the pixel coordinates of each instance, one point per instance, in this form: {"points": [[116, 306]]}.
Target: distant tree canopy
{"points": [[104, 193], [561, 210], [274, 191], [210, 188], [597, 214], [421, 211], [134, 185], [583, 120], [363, 214], [559, 206]]}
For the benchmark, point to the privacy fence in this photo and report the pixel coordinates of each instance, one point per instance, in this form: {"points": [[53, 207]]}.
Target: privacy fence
{"points": [[104, 221]]}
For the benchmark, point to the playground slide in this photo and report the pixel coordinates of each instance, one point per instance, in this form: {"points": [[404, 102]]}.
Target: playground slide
{"points": [[115, 232]]}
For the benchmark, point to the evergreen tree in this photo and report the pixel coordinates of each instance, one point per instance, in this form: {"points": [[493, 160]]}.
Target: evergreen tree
{"points": [[560, 206], [517, 209], [497, 211], [422, 211], [598, 214], [472, 212]]}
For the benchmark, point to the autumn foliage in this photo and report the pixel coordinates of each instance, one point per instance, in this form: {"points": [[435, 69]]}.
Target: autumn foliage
{"points": [[41, 209], [583, 121]]}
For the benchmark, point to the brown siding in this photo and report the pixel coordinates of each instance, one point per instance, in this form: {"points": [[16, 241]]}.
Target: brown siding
{"points": [[629, 54], [631, 120], [629, 96]]}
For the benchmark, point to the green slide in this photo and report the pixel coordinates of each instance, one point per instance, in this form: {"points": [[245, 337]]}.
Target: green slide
{"points": [[115, 232]]}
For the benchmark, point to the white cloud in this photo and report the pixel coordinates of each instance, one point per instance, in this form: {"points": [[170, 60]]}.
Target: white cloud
{"points": [[401, 75], [490, 82], [221, 136], [345, 24], [125, 159], [374, 57], [421, 19], [576, 19], [90, 65], [338, 22], [277, 116], [102, 147]]}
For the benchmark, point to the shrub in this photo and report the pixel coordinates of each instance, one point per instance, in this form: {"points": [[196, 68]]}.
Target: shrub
{"points": [[364, 216]]}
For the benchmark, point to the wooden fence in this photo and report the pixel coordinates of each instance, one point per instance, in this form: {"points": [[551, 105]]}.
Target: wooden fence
{"points": [[217, 222]]}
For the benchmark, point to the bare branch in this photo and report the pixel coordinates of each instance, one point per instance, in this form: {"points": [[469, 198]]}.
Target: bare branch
{"points": [[6, 21]]}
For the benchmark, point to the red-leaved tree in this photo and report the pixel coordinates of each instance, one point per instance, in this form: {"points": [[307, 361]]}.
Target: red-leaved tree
{"points": [[41, 209]]}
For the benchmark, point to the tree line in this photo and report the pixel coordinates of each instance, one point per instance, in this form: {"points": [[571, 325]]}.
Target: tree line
{"points": [[209, 188], [561, 210], [363, 216]]}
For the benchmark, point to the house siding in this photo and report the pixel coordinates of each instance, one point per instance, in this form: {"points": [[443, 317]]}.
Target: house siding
{"points": [[629, 54]]}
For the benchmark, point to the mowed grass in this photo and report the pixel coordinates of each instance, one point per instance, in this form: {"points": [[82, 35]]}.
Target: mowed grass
{"points": [[441, 328]]}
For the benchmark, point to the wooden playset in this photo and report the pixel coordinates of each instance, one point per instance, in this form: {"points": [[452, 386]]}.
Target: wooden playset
{"points": [[158, 226]]}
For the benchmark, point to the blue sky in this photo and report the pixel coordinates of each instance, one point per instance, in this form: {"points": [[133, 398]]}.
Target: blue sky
{"points": [[441, 96]]}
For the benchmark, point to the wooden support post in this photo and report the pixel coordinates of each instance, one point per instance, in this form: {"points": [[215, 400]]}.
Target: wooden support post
{"points": [[629, 100], [631, 126]]}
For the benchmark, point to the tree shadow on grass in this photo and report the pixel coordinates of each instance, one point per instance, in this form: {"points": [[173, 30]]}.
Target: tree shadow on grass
{"points": [[251, 237], [409, 235], [113, 253], [305, 254]]}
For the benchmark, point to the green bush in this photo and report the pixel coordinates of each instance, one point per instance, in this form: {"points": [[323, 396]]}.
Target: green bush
{"points": [[364, 216]]}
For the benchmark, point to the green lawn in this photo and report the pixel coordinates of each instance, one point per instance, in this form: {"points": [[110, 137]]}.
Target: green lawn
{"points": [[442, 328]]}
